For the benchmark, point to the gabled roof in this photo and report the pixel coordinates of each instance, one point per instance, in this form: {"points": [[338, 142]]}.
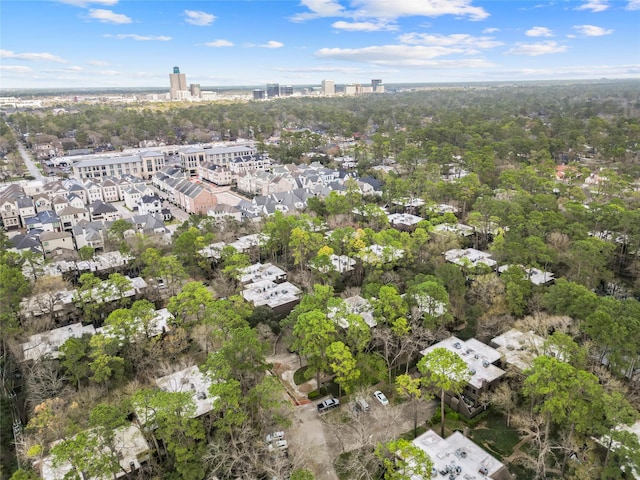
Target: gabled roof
{"points": [[99, 207], [24, 242]]}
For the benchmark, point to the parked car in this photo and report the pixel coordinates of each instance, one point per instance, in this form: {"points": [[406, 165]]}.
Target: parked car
{"points": [[280, 445], [381, 397], [328, 405], [362, 404], [274, 436]]}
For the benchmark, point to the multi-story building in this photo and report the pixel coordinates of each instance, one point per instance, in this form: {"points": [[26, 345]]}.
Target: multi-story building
{"points": [[287, 91], [224, 155], [143, 165], [152, 162], [259, 94], [178, 83], [191, 159], [273, 90], [328, 87]]}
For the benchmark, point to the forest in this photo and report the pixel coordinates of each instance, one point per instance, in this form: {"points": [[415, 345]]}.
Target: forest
{"points": [[550, 183]]}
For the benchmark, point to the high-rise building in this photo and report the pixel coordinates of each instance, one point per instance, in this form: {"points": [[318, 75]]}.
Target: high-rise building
{"points": [[377, 86], [328, 87], [196, 91], [177, 82], [287, 91], [273, 90], [258, 94]]}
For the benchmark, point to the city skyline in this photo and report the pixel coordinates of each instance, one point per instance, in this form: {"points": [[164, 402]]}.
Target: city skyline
{"points": [[119, 44]]}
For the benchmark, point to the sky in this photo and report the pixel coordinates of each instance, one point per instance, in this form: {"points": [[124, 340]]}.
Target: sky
{"points": [[136, 43]]}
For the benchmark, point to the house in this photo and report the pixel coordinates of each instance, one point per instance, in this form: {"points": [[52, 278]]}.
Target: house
{"points": [[71, 216], [215, 174], [190, 380], [518, 348], [101, 211], [149, 204], [132, 196], [30, 241], [26, 209], [258, 271], [148, 224], [470, 257], [356, 305], [9, 212], [89, 234], [131, 449], [485, 375], [458, 229], [534, 275], [223, 212], [42, 202], [46, 344], [94, 191], [404, 221], [458, 456], [52, 241], [46, 220], [110, 190], [280, 297]]}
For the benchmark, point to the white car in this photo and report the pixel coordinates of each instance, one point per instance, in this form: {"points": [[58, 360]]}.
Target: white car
{"points": [[381, 397], [280, 445], [274, 436]]}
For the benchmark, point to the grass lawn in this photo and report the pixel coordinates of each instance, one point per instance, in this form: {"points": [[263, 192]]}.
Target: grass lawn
{"points": [[494, 435]]}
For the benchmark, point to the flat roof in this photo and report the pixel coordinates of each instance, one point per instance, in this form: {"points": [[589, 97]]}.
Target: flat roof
{"points": [[47, 343], [471, 255], [519, 348], [457, 452], [190, 380], [534, 275], [259, 271], [94, 162], [268, 293], [478, 356], [404, 219]]}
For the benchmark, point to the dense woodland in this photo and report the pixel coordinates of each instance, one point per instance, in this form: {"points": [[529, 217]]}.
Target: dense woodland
{"points": [[510, 139]]}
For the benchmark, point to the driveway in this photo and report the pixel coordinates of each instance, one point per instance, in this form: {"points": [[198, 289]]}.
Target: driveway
{"points": [[317, 440]]}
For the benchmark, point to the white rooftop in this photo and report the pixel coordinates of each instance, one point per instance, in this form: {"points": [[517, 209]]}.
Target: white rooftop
{"points": [[469, 255], [131, 448], [212, 251], [478, 356], [357, 305], [259, 271], [535, 275], [245, 243], [339, 263], [379, 253], [458, 228], [519, 348], [47, 343], [457, 452], [271, 294], [403, 219], [190, 380]]}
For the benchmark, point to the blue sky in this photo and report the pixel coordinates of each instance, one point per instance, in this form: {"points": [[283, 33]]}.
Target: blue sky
{"points": [[121, 43]]}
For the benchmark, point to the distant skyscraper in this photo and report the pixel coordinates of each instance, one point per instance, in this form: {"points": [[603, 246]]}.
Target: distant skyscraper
{"points": [[375, 84], [258, 94], [328, 87], [196, 91], [287, 91], [177, 82], [273, 90]]}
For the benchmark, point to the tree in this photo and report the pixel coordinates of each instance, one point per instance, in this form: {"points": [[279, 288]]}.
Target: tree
{"points": [[86, 252], [313, 333], [445, 371], [191, 304], [408, 386], [343, 365], [402, 460]]}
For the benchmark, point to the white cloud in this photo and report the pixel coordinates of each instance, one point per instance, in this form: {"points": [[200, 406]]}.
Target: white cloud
{"points": [[97, 63], [107, 16], [319, 9], [535, 49], [16, 68], [364, 26], [390, 10], [591, 30], [32, 56], [633, 5], [594, 5], [139, 38], [402, 56], [490, 30], [272, 44], [539, 32], [449, 40], [73, 68], [422, 8], [219, 43], [201, 19]]}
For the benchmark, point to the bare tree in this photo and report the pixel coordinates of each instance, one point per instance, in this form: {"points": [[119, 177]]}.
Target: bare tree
{"points": [[44, 380]]}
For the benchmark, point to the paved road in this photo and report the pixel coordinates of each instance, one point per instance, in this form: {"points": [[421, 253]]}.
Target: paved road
{"points": [[31, 166]]}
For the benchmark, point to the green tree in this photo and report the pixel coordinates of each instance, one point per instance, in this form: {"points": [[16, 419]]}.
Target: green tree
{"points": [[443, 371], [343, 365], [313, 333], [402, 460], [407, 386]]}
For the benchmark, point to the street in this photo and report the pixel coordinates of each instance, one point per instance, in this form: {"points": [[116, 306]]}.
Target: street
{"points": [[31, 166]]}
